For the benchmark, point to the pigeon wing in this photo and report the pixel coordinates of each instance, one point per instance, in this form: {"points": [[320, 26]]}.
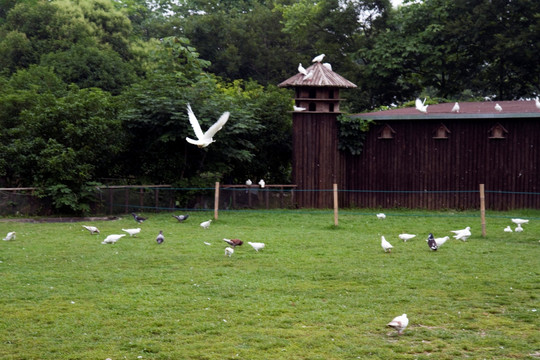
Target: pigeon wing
{"points": [[194, 124], [419, 103], [217, 125]]}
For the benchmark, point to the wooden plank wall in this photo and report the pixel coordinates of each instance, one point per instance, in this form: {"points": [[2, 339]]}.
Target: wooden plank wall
{"points": [[414, 170]]}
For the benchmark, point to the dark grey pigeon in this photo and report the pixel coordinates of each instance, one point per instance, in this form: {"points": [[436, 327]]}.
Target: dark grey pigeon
{"points": [[431, 242], [181, 218], [138, 218], [160, 238]]}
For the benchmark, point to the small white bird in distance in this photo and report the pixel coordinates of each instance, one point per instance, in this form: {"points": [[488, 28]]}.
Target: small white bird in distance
{"points": [[229, 251], [249, 182], [399, 323], [455, 108], [508, 229], [420, 106], [301, 69], [406, 237], [207, 243], [111, 239], [328, 66], [537, 103], [257, 245], [518, 228], [520, 221], [498, 107], [381, 216], [387, 247], [132, 232], [462, 234], [93, 230], [309, 75], [205, 139], [262, 184], [206, 224], [318, 58], [10, 236], [298, 108]]}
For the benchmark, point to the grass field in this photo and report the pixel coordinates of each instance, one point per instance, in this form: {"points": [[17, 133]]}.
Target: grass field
{"points": [[315, 292]]}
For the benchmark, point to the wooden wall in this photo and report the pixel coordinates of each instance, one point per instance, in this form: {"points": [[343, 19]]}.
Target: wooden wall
{"points": [[414, 170]]}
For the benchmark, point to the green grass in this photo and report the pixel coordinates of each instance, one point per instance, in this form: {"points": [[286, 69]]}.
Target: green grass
{"points": [[316, 291]]}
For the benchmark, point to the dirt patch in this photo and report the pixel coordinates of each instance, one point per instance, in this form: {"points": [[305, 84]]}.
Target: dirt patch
{"points": [[62, 219]]}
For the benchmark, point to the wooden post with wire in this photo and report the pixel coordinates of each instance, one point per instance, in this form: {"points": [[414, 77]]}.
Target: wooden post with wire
{"points": [[216, 201], [335, 205], [483, 209]]}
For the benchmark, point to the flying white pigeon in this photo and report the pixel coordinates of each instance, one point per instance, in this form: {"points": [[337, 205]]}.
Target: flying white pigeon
{"points": [[262, 184], [387, 247], [406, 237], [181, 218], [508, 229], [203, 140], [455, 108], [520, 221], [111, 239], [132, 232], [381, 216], [206, 224], [301, 69], [518, 228], [229, 251], [249, 182], [309, 75], [318, 58], [160, 238], [399, 323], [420, 106], [440, 241], [298, 108], [93, 230], [10, 236], [257, 245], [462, 234], [328, 66], [498, 107], [537, 103], [432, 243]]}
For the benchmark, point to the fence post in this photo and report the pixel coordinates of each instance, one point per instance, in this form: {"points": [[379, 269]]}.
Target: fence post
{"points": [[335, 205], [216, 201], [483, 209]]}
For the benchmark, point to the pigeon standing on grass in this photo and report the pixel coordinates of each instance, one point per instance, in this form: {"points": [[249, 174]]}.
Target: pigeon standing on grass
{"points": [[132, 232], [508, 229], [138, 218], [432, 243], [399, 323], [462, 234], [206, 224], [160, 238], [518, 228], [93, 230], [257, 245], [387, 247], [10, 236], [381, 216], [111, 239], [181, 218], [205, 139], [406, 237], [234, 242], [440, 241], [229, 251]]}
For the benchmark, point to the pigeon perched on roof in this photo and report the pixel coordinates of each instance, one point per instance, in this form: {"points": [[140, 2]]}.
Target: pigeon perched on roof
{"points": [[160, 238], [432, 243], [249, 182], [387, 247], [206, 224], [420, 106], [406, 237], [537, 103], [328, 66], [138, 218], [309, 75], [399, 323], [498, 107], [205, 139], [257, 245], [262, 184], [462, 234], [518, 228], [234, 242], [381, 216], [301, 69], [455, 108], [508, 229], [111, 239], [93, 230], [132, 232], [229, 251], [10, 236], [520, 221], [181, 218], [318, 58]]}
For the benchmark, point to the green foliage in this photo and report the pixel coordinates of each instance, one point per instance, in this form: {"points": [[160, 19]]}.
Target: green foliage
{"points": [[352, 133]]}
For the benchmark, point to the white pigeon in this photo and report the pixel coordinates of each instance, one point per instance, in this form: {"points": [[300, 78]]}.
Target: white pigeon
{"points": [[309, 75], [455, 108], [406, 237], [205, 139], [420, 106], [111, 239], [537, 103], [518, 228], [92, 229], [10, 236], [229, 251], [508, 229], [318, 58], [262, 184], [498, 107], [520, 221], [399, 323], [440, 241], [132, 232], [301, 69], [206, 224], [387, 247], [207, 243], [381, 216], [462, 234], [257, 245], [298, 108], [249, 182], [328, 66]]}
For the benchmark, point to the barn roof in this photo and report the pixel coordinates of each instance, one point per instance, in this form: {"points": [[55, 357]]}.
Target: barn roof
{"points": [[468, 110], [322, 77]]}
